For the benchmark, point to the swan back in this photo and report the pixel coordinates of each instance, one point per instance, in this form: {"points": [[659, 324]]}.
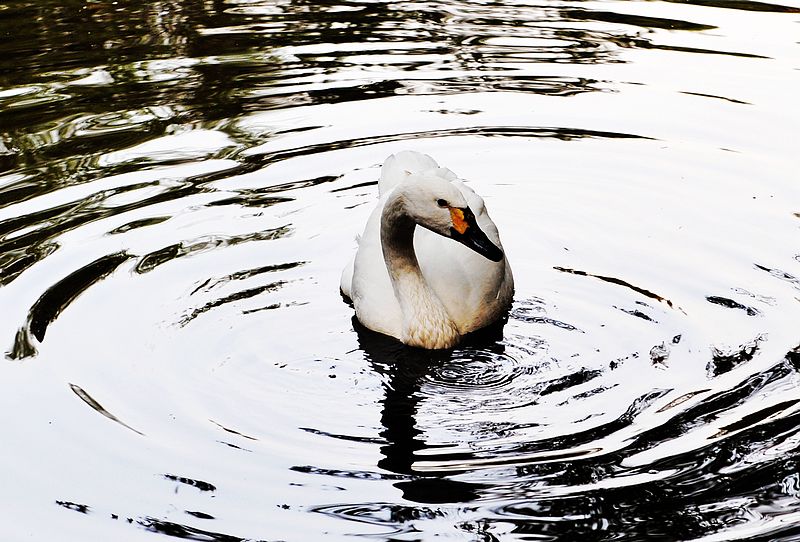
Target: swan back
{"points": [[399, 167]]}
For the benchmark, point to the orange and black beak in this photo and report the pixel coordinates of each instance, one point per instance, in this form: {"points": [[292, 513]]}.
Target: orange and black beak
{"points": [[465, 230]]}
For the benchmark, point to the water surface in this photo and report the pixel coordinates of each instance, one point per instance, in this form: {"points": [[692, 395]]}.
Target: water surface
{"points": [[182, 183]]}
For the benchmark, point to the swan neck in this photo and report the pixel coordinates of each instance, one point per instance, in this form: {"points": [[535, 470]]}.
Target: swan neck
{"points": [[426, 322], [397, 239]]}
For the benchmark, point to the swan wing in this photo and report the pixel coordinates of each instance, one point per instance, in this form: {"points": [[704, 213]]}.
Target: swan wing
{"points": [[370, 287], [475, 290]]}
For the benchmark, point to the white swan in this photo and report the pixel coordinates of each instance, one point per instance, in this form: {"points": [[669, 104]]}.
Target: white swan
{"points": [[418, 284]]}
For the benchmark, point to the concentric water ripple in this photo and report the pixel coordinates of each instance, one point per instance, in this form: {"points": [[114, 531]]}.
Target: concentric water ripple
{"points": [[181, 184]]}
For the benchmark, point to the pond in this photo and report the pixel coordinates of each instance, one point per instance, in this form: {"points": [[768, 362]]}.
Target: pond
{"points": [[182, 182]]}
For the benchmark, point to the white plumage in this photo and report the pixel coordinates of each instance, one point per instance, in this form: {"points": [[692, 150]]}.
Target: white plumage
{"points": [[427, 286]]}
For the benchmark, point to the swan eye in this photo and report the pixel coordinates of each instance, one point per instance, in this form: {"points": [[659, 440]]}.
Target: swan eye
{"points": [[441, 203]]}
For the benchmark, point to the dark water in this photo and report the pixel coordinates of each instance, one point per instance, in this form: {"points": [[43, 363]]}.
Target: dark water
{"points": [[181, 185]]}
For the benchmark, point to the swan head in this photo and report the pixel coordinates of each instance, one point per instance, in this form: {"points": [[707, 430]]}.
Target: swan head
{"points": [[436, 204]]}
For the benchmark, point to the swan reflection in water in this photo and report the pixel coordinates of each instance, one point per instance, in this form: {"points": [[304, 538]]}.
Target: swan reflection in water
{"points": [[404, 370]]}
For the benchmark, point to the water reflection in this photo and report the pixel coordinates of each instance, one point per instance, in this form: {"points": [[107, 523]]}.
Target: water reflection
{"points": [[404, 370], [671, 496], [180, 183]]}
